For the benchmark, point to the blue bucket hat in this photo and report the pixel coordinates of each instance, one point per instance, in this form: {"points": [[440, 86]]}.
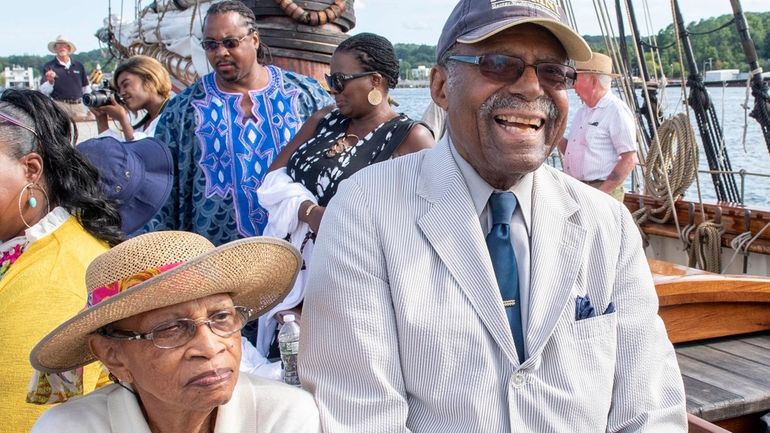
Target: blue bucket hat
{"points": [[473, 21], [136, 175]]}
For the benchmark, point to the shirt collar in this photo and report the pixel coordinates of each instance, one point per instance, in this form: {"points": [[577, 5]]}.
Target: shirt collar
{"points": [[480, 190], [604, 101], [66, 65]]}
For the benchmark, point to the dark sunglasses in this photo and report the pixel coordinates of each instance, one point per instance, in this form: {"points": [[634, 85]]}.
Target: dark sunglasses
{"points": [[337, 80], [228, 43], [499, 67]]}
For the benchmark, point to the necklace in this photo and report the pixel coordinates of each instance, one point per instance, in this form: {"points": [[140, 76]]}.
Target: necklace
{"points": [[341, 145]]}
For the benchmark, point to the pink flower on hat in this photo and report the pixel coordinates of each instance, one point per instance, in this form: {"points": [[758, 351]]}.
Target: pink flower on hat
{"points": [[99, 294]]}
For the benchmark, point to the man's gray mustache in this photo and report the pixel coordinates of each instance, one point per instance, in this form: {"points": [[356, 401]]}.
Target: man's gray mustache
{"points": [[500, 101]]}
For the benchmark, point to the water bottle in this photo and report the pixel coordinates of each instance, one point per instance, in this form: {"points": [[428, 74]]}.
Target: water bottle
{"points": [[288, 343]]}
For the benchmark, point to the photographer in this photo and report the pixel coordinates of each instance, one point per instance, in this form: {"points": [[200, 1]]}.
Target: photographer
{"points": [[139, 83]]}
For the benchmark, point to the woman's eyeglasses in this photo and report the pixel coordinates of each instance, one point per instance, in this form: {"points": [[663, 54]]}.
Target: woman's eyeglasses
{"points": [[499, 67], [228, 43], [337, 80], [176, 333]]}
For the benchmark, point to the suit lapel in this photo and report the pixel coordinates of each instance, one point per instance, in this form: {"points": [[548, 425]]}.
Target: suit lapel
{"points": [[557, 250], [452, 227]]}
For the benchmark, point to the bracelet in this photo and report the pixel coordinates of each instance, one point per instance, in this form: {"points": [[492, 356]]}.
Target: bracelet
{"points": [[310, 209]]}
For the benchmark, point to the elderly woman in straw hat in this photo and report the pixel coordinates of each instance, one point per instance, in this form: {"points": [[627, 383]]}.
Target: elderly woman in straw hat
{"points": [[164, 315]]}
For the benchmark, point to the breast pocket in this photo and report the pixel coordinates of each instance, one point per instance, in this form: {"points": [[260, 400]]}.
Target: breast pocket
{"points": [[597, 327]]}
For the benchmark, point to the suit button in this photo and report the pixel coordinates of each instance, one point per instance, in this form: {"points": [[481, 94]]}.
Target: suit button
{"points": [[519, 380]]}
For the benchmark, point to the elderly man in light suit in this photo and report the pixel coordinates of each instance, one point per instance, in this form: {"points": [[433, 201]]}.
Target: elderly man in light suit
{"points": [[426, 311]]}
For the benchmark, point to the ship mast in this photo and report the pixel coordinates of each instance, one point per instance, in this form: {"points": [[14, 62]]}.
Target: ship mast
{"points": [[708, 123], [761, 111]]}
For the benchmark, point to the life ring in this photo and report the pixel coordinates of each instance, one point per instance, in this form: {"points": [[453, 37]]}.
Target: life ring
{"points": [[313, 18]]}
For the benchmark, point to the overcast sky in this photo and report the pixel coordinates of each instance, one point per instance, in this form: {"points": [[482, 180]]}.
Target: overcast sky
{"points": [[27, 26]]}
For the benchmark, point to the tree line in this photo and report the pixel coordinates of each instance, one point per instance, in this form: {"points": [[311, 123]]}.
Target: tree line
{"points": [[713, 47], [720, 49]]}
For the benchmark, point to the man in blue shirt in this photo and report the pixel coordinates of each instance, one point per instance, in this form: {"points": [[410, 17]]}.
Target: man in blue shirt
{"points": [[226, 128], [65, 79]]}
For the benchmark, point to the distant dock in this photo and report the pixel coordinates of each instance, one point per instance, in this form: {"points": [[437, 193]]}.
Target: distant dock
{"points": [[413, 83]]}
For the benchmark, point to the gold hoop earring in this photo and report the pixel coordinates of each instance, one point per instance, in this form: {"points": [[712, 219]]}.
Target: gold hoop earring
{"points": [[374, 97], [32, 201]]}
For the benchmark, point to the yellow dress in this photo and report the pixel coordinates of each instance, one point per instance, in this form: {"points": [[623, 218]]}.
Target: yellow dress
{"points": [[42, 289]]}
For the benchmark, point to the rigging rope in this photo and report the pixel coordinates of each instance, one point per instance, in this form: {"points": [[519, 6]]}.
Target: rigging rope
{"points": [[729, 23], [742, 242]]}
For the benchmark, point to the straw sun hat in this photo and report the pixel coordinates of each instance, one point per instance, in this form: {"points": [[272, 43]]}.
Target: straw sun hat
{"points": [[160, 269], [599, 64], [61, 40]]}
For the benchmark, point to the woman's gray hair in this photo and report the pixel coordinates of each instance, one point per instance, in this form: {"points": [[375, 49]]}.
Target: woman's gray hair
{"points": [[19, 141]]}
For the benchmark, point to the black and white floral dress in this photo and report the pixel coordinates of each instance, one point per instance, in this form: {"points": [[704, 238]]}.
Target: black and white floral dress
{"points": [[320, 172]]}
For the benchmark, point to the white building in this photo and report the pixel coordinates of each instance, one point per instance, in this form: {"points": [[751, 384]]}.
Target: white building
{"points": [[19, 78], [421, 72]]}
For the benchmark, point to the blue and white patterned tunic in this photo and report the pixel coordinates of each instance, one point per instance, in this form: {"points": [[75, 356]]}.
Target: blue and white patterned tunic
{"points": [[222, 155]]}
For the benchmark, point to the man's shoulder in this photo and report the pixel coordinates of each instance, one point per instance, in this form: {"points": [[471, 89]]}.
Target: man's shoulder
{"points": [[308, 86], [182, 101], [403, 169], [51, 63], [296, 78]]}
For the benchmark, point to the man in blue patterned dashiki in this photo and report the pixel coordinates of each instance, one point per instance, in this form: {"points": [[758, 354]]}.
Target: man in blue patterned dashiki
{"points": [[226, 128]]}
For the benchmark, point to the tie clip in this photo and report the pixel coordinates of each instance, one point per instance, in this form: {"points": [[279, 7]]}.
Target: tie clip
{"points": [[511, 303]]}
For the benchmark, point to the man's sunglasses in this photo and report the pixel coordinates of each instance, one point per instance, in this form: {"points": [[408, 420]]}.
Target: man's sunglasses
{"points": [[228, 43], [509, 69], [337, 80]]}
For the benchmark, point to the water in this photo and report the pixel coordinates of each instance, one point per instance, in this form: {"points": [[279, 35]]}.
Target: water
{"points": [[753, 159]]}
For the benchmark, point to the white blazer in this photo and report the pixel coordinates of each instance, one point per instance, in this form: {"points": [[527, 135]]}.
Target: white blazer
{"points": [[256, 406], [404, 329]]}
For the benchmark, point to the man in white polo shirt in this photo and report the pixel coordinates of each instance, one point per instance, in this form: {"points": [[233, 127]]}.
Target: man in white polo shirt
{"points": [[601, 146]]}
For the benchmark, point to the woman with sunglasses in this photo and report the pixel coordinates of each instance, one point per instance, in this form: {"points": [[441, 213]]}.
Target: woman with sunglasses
{"points": [[332, 145], [164, 315], [143, 84], [53, 222]]}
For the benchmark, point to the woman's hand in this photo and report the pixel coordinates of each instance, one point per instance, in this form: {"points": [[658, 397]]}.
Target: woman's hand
{"points": [[314, 220], [102, 121], [115, 111], [311, 214]]}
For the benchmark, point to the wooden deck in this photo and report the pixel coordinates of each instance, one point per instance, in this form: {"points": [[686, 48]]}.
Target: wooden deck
{"points": [[727, 379], [720, 325]]}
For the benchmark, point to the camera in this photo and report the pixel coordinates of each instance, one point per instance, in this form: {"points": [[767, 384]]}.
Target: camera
{"points": [[101, 97]]}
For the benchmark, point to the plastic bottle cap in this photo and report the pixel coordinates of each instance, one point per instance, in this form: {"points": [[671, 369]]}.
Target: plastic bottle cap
{"points": [[288, 318]]}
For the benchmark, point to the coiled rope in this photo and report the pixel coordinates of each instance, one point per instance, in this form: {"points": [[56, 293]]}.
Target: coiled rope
{"points": [[706, 249], [671, 165]]}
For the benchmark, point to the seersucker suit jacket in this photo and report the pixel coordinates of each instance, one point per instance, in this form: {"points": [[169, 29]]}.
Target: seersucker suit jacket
{"points": [[404, 328]]}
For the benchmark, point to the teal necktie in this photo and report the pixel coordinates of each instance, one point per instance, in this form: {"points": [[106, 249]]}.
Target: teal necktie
{"points": [[501, 206]]}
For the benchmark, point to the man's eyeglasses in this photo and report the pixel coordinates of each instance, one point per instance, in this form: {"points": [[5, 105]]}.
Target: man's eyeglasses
{"points": [[228, 43], [499, 67], [176, 333], [337, 80]]}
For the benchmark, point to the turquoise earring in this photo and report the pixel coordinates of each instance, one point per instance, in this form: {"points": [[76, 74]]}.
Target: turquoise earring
{"points": [[32, 200]]}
